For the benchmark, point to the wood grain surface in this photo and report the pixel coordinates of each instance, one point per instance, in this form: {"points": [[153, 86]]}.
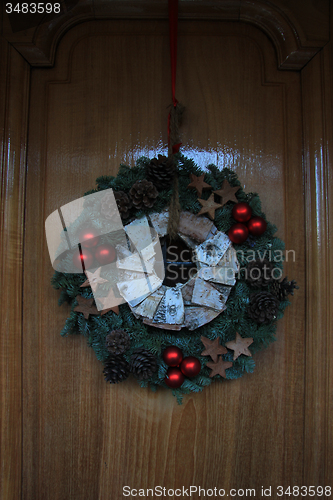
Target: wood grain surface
{"points": [[71, 435], [317, 84], [14, 91]]}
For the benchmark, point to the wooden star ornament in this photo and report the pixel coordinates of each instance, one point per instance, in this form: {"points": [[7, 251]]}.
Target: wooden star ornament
{"points": [[94, 279], [115, 309], [227, 193], [212, 348], [110, 299], [240, 346], [85, 306], [197, 182], [209, 206], [219, 368]]}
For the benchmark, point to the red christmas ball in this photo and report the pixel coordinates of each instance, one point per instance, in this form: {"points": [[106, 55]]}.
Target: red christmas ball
{"points": [[174, 377], [172, 356], [238, 233], [89, 238], [105, 254], [85, 257], [190, 366], [242, 212], [257, 226]]}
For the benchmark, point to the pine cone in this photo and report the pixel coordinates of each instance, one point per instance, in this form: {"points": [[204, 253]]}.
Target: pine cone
{"points": [[117, 341], [263, 307], [260, 273], [143, 194], [116, 369], [281, 289], [288, 287], [274, 289], [161, 171], [109, 209], [124, 203], [143, 364]]}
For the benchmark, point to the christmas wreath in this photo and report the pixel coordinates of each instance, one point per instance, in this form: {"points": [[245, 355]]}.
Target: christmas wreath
{"points": [[211, 311]]}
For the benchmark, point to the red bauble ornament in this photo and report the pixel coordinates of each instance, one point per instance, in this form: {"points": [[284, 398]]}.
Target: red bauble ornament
{"points": [[257, 226], [238, 233], [89, 238], [172, 356], [190, 366], [242, 212], [85, 257], [105, 254], [174, 378]]}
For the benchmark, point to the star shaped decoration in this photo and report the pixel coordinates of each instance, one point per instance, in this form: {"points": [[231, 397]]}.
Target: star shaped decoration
{"points": [[115, 309], [219, 368], [240, 346], [209, 206], [227, 193], [94, 279], [85, 306], [197, 182], [110, 299], [212, 348]]}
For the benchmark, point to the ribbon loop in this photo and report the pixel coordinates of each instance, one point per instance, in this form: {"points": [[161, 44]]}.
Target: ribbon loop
{"points": [[173, 30]]}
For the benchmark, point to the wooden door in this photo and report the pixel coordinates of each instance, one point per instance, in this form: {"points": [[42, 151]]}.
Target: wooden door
{"points": [[104, 102]]}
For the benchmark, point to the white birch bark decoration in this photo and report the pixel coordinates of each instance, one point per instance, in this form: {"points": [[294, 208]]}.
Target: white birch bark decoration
{"points": [[135, 291], [123, 252], [171, 308], [162, 326], [188, 305], [130, 275], [135, 263], [174, 306], [223, 275], [230, 260], [211, 251], [204, 294], [224, 291], [149, 251], [160, 222], [196, 228], [139, 233], [187, 291], [198, 316], [148, 306], [160, 315]]}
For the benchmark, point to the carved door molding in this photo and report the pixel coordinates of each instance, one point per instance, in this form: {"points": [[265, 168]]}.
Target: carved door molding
{"points": [[297, 31]]}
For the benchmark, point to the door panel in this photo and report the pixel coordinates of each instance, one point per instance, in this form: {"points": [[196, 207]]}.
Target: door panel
{"points": [[317, 83], [105, 103], [14, 90]]}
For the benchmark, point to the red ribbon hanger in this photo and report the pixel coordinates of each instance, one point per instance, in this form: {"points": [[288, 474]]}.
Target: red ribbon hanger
{"points": [[173, 31], [173, 35]]}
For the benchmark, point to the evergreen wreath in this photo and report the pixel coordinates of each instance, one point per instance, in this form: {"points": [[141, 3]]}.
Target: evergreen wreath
{"points": [[126, 345]]}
